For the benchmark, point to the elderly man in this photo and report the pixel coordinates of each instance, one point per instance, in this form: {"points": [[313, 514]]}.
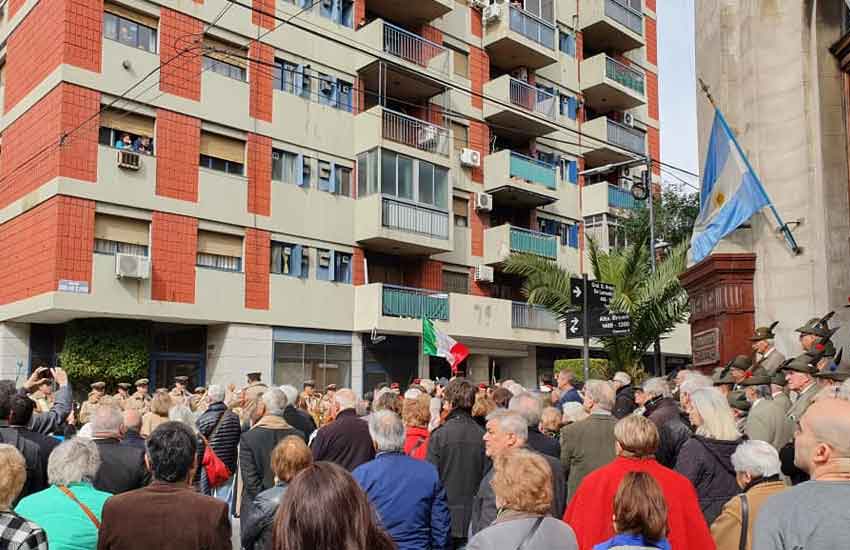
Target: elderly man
{"points": [[346, 440], [122, 467], [756, 466], [815, 514], [405, 492], [767, 356], [777, 390], [568, 390], [222, 430], [506, 431], [588, 444], [624, 403], [530, 408], [131, 430], [297, 418], [766, 419], [799, 372]]}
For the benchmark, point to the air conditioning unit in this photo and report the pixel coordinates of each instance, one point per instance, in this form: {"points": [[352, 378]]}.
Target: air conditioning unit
{"points": [[520, 73], [132, 266], [483, 274], [470, 157], [326, 87], [480, 4], [483, 201], [628, 119], [427, 136], [491, 13], [129, 160], [324, 259]]}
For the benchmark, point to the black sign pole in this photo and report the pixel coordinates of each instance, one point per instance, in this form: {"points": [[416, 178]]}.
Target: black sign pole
{"points": [[585, 330]]}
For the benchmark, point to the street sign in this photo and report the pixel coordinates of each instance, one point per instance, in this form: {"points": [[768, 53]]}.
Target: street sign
{"points": [[601, 323], [599, 295], [575, 325]]}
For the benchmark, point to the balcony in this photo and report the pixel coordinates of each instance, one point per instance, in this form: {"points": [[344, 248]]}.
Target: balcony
{"points": [[519, 39], [396, 226], [414, 303], [501, 241], [610, 25], [604, 197], [609, 85], [520, 181], [382, 127], [621, 198], [611, 142], [413, 13], [533, 317], [519, 109], [408, 49]]}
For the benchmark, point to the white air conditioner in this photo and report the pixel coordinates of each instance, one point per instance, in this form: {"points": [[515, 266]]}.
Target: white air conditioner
{"points": [[483, 201], [628, 119], [132, 266], [483, 274], [129, 160], [491, 13], [520, 73], [324, 259], [427, 136], [470, 157]]}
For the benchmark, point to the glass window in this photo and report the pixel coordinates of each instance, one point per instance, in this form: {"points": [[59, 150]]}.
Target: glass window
{"points": [[455, 282], [104, 246], [307, 171], [221, 165], [324, 175], [346, 102], [343, 181], [325, 364], [225, 69], [567, 43], [342, 267], [388, 173], [324, 265], [441, 187], [129, 32], [290, 259], [426, 183], [216, 261], [110, 26], [405, 177]]}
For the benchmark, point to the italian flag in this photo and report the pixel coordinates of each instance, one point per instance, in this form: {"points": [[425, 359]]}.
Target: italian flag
{"points": [[442, 345]]}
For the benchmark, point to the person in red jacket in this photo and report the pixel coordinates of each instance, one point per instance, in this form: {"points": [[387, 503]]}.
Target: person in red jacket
{"points": [[590, 511], [416, 413]]}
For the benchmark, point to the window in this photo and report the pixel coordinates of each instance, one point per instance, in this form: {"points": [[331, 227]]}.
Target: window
{"points": [[306, 170], [325, 176], [340, 12], [333, 266], [224, 68], [367, 173], [544, 9], [456, 282], [343, 181], [433, 185], [222, 153], [323, 363], [124, 130], [405, 178], [573, 236], [114, 234], [290, 259], [297, 79], [460, 207], [568, 106], [346, 96], [396, 175], [460, 137], [569, 170], [283, 166], [224, 59], [130, 28], [460, 60], [219, 251], [567, 43]]}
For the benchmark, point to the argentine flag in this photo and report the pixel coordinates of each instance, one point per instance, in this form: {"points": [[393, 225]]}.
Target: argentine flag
{"points": [[730, 193]]}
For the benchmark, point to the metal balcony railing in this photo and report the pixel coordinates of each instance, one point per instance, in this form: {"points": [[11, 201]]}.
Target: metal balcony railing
{"points": [[399, 301], [624, 15], [414, 48], [532, 27], [534, 242], [534, 317], [619, 197], [626, 137], [622, 74], [532, 98], [533, 170], [415, 133], [414, 218]]}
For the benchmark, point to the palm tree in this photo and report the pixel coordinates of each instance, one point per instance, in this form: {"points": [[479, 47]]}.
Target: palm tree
{"points": [[656, 302]]}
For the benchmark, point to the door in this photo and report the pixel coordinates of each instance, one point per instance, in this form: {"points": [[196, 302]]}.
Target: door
{"points": [[164, 369]]}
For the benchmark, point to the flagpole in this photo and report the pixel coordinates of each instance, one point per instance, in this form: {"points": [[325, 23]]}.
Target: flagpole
{"points": [[783, 227]]}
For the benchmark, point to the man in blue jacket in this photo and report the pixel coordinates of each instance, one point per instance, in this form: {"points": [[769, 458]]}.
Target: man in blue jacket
{"points": [[406, 492]]}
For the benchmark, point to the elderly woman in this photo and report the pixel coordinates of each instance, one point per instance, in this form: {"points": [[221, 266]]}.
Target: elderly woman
{"points": [[15, 531], [573, 412], [160, 406], [522, 483], [756, 466], [416, 414], [70, 509], [551, 423]]}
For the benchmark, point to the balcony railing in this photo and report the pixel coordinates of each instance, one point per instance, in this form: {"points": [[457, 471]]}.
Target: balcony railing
{"points": [[622, 198], [415, 133], [624, 15], [414, 218], [626, 137], [624, 75], [534, 317], [533, 170], [533, 242], [532, 98], [414, 48], [533, 28], [399, 301]]}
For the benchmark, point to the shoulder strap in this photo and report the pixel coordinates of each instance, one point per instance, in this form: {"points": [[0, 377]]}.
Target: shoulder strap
{"points": [[86, 510], [218, 423], [745, 521], [530, 534]]}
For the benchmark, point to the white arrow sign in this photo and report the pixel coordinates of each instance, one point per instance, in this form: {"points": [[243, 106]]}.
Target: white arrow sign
{"points": [[577, 291], [574, 329]]}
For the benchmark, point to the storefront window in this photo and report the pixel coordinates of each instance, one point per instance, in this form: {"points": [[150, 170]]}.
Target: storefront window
{"points": [[326, 364]]}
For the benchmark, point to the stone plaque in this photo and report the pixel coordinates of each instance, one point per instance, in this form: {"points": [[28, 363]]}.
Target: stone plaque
{"points": [[705, 347]]}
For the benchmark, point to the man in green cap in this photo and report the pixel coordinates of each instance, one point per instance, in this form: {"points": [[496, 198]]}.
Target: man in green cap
{"points": [[834, 374], [767, 356], [777, 388], [799, 372], [722, 379], [815, 329], [766, 420]]}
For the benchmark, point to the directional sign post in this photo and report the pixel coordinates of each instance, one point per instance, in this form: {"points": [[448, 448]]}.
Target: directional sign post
{"points": [[595, 318]]}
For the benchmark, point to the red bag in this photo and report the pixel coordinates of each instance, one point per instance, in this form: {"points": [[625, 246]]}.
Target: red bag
{"points": [[216, 470]]}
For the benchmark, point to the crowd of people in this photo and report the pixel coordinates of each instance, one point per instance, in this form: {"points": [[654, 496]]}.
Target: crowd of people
{"points": [[756, 456]]}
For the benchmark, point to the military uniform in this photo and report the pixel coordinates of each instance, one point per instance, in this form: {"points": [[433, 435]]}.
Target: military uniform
{"points": [[91, 404], [804, 364], [121, 398], [181, 395], [139, 401], [43, 403], [766, 419]]}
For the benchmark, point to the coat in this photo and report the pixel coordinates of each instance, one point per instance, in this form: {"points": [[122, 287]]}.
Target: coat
{"points": [[256, 526], [585, 446], [409, 499], [570, 396], [624, 403], [51, 421], [456, 448], [509, 530], [799, 407], [592, 507], [416, 442], [726, 529], [542, 443], [122, 467], [150, 421], [345, 441], [673, 431], [772, 362], [708, 464], [782, 399], [182, 519], [766, 422], [66, 525], [35, 480], [226, 440], [300, 420]]}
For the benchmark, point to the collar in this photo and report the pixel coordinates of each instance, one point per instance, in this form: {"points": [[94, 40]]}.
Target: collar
{"points": [[388, 453], [346, 412], [760, 481], [780, 392], [768, 352], [812, 384], [601, 412], [756, 402]]}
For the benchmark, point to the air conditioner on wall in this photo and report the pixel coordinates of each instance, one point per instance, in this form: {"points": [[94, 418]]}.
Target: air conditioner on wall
{"points": [[491, 13], [129, 160], [483, 201], [132, 266], [483, 274], [628, 119], [470, 157]]}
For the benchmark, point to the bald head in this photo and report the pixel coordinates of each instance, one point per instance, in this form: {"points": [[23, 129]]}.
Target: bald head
{"points": [[345, 399], [132, 420], [823, 437]]}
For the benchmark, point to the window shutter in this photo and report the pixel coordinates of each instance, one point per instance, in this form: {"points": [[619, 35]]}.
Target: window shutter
{"points": [[123, 121], [299, 170], [218, 146], [460, 207], [296, 260], [220, 244], [573, 171], [124, 230]]}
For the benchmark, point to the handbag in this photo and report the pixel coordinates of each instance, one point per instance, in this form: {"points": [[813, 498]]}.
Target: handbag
{"points": [[86, 510], [214, 467], [745, 522]]}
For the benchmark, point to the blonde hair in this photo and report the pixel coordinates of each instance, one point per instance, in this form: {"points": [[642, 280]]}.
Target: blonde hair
{"points": [[637, 436], [550, 419], [289, 457], [718, 422], [161, 403], [483, 406], [14, 470], [417, 412], [523, 482]]}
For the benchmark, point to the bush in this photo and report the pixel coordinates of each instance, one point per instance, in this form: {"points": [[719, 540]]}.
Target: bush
{"points": [[598, 368], [108, 350]]}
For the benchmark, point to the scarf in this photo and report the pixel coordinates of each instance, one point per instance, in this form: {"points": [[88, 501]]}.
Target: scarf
{"points": [[272, 422]]}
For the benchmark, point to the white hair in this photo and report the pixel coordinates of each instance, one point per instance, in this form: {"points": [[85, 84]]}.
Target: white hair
{"points": [[695, 381], [601, 392], [514, 387], [510, 422], [184, 415], [107, 420], [73, 461], [274, 401], [215, 393], [387, 431], [657, 386], [718, 422], [573, 412], [528, 406], [757, 458], [291, 393], [345, 399], [622, 377]]}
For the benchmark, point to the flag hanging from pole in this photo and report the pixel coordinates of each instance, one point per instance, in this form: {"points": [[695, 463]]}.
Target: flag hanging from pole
{"points": [[439, 344]]}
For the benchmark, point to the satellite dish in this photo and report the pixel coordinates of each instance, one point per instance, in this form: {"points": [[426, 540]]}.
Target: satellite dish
{"points": [[376, 338]]}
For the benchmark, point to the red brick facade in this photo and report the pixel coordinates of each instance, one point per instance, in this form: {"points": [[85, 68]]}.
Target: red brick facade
{"points": [[178, 145], [257, 253], [427, 274], [477, 28], [651, 41], [359, 13], [479, 73], [173, 257], [654, 138], [358, 270], [49, 242], [479, 139], [259, 175], [260, 104], [177, 33], [259, 15], [478, 222]]}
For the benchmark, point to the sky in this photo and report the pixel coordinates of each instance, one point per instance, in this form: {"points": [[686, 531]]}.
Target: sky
{"points": [[677, 88]]}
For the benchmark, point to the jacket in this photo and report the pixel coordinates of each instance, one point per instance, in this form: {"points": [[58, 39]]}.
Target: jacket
{"points": [[345, 441], [628, 541], [673, 431], [585, 446], [66, 525], [782, 399], [51, 421], [772, 361], [46, 444], [570, 396], [726, 529], [409, 499], [799, 407], [624, 403], [416, 442], [133, 439], [300, 420], [708, 464], [150, 421], [766, 422], [226, 440], [36, 479], [592, 507], [183, 519], [456, 448], [509, 530], [256, 525], [122, 468], [542, 443]]}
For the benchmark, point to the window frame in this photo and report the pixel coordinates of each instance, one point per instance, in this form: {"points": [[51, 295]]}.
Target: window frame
{"points": [[208, 162], [120, 247], [153, 37], [227, 69], [214, 258]]}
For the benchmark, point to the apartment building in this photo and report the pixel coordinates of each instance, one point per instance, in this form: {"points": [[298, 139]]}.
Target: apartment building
{"points": [[290, 186]]}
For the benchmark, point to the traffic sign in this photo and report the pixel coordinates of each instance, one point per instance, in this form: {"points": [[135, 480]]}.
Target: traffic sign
{"points": [[599, 295], [575, 325], [601, 323]]}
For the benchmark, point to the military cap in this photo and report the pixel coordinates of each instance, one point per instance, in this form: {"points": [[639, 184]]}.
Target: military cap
{"points": [[756, 377], [836, 370], [738, 400], [740, 362], [200, 389], [818, 326], [99, 386], [778, 378], [331, 387], [125, 385], [181, 380], [764, 333], [802, 363], [256, 375], [309, 383], [142, 382], [723, 376]]}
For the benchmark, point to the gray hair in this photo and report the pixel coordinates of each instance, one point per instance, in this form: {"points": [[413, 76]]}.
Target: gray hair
{"points": [[762, 391], [182, 414], [757, 458], [695, 381], [718, 421], [291, 393], [215, 393], [510, 422], [274, 401], [73, 461], [658, 386], [622, 377], [346, 399], [528, 406], [387, 431], [601, 392], [107, 419], [573, 412]]}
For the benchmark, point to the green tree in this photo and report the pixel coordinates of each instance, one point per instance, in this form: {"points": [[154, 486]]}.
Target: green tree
{"points": [[108, 350], [675, 214]]}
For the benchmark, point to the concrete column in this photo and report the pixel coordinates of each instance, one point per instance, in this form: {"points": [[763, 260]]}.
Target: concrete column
{"points": [[424, 367], [357, 363], [479, 368], [235, 350], [14, 351]]}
